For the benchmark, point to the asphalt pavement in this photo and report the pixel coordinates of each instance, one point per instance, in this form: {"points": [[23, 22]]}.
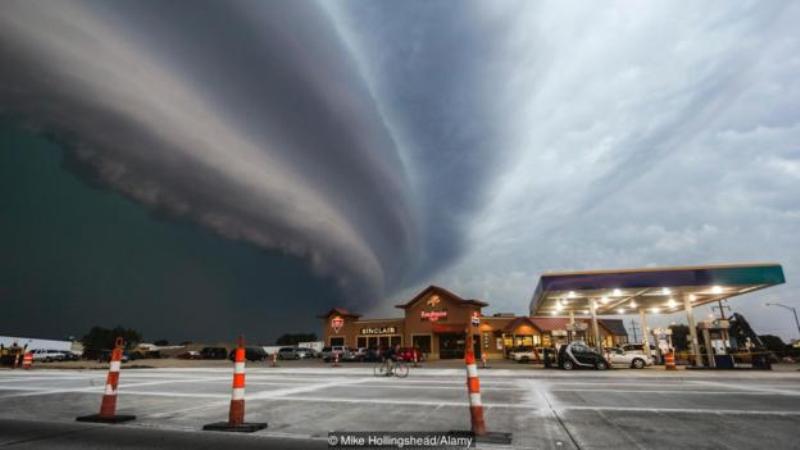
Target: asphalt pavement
{"points": [[541, 408]]}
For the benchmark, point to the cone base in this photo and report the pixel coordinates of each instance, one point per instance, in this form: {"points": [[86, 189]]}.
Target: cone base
{"points": [[490, 437], [247, 427], [117, 418]]}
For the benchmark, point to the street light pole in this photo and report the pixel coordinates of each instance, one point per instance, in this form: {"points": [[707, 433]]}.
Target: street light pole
{"points": [[793, 309]]}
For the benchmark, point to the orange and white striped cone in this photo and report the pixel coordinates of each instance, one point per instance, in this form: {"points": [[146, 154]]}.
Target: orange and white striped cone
{"points": [[669, 361], [478, 424], [236, 412], [108, 406], [27, 361]]}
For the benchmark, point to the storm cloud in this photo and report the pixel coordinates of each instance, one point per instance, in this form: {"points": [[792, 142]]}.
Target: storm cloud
{"points": [[471, 144]]}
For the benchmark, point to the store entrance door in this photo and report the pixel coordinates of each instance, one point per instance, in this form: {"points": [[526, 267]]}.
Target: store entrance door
{"points": [[451, 345]]}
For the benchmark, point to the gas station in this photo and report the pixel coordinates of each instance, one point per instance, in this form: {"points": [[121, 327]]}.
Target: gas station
{"points": [[665, 290]]}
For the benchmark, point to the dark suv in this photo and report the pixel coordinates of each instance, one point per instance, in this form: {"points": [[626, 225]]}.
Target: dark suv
{"points": [[213, 352], [577, 355], [251, 354]]}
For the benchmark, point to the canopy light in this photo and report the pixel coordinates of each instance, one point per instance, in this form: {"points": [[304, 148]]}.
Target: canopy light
{"points": [[655, 310], [716, 289], [571, 294], [671, 303], [633, 304], [692, 297], [666, 291], [553, 313], [616, 292], [604, 300], [621, 311]]}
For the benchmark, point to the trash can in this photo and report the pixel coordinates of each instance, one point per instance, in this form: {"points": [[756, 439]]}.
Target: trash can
{"points": [[723, 361]]}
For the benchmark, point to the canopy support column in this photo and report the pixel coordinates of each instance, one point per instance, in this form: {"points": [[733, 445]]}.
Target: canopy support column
{"points": [[645, 333], [695, 347], [595, 329]]}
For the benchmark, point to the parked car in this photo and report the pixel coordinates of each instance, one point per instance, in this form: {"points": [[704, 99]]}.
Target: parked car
{"points": [[638, 349], [213, 352], [105, 356], [618, 357], [372, 355], [289, 353], [307, 353], [579, 355], [191, 354], [250, 354], [408, 353], [70, 356], [523, 354], [48, 355], [329, 352]]}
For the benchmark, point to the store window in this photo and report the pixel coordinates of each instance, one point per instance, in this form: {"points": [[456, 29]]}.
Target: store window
{"points": [[337, 341], [396, 340], [361, 341], [523, 341], [423, 343], [383, 342]]}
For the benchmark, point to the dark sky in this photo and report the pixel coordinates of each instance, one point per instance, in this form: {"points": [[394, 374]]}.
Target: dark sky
{"points": [[371, 148], [73, 256]]}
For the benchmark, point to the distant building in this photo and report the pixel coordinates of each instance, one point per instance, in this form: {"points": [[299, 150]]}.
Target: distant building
{"points": [[436, 320]]}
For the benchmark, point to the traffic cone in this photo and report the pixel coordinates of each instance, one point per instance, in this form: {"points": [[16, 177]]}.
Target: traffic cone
{"points": [[414, 352], [27, 361], [669, 361], [336, 359], [108, 406], [478, 424], [236, 413]]}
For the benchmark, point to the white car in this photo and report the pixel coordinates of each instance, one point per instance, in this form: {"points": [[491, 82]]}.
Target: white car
{"points": [[618, 357], [522, 354], [48, 355]]}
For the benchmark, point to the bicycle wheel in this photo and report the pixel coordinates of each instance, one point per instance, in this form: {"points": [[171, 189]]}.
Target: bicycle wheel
{"points": [[380, 370], [401, 370]]}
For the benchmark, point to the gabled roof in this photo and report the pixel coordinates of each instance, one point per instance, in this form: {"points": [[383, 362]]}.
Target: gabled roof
{"points": [[339, 311], [615, 326], [511, 326], [550, 323], [443, 292]]}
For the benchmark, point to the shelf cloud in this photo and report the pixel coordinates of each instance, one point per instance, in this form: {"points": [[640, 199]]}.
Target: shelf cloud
{"points": [[392, 145]]}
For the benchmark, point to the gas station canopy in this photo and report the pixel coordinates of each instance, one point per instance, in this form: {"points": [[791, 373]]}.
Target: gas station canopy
{"points": [[655, 290]]}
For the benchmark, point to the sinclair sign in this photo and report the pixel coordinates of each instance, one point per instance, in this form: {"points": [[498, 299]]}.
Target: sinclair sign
{"points": [[379, 330]]}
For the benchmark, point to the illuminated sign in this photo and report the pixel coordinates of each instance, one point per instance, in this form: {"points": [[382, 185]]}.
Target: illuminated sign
{"points": [[476, 319], [337, 323], [384, 330], [433, 316], [434, 300]]}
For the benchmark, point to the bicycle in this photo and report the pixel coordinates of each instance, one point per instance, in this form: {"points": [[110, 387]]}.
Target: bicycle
{"points": [[388, 368]]}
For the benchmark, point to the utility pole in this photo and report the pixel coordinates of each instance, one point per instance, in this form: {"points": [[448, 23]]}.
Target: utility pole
{"points": [[635, 329], [790, 308]]}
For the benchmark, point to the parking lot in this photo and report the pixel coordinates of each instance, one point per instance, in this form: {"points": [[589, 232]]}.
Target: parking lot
{"points": [[541, 408]]}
